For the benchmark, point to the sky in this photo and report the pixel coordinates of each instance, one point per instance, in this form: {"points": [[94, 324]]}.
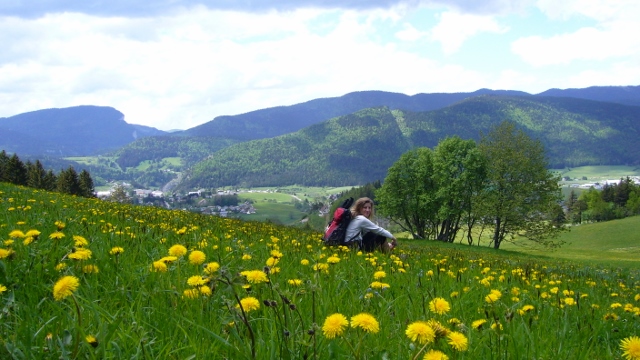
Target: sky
{"points": [[176, 64]]}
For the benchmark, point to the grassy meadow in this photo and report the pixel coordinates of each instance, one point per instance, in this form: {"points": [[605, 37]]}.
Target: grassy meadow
{"points": [[83, 278]]}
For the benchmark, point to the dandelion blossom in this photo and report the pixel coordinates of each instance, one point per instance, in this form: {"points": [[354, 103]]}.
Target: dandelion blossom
{"points": [[92, 340], [80, 241], [159, 266], [5, 253], [458, 341], [421, 332], [435, 355], [333, 260], [196, 281], [366, 322], [197, 257], [334, 325], [304, 262], [439, 306], [56, 235], [295, 282], [379, 275], [211, 267], [32, 233], [177, 250], [255, 276], [65, 287], [191, 293], [205, 290], [80, 254], [2, 288], [478, 324], [631, 348], [117, 250], [249, 304], [16, 234]]}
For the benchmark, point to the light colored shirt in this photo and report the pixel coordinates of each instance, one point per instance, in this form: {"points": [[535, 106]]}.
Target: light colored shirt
{"points": [[361, 225]]}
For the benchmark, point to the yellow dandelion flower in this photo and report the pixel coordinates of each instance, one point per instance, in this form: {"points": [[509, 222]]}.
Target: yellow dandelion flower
{"points": [[334, 325], [116, 250], [379, 275], [197, 257], [80, 254], [249, 304], [630, 348], [60, 225], [333, 260], [255, 276], [245, 256], [2, 288], [272, 261], [159, 266], [276, 254], [211, 267], [294, 282], [61, 266], [16, 234], [80, 241], [90, 269], [28, 240], [435, 355], [5, 253], [616, 305], [379, 285], [168, 259], [421, 332], [439, 306], [569, 301], [191, 293], [304, 262], [177, 250], [440, 330], [366, 322], [91, 340], [197, 280], [458, 341], [65, 287], [56, 235], [205, 290], [478, 324], [32, 233]]}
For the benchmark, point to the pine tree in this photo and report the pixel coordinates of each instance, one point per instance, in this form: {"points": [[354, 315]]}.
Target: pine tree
{"points": [[87, 188], [16, 171], [4, 159], [68, 182], [36, 175]]}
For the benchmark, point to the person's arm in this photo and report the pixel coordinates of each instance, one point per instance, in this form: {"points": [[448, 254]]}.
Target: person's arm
{"points": [[368, 226]]}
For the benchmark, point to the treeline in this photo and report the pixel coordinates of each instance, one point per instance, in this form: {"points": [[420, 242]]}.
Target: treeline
{"points": [[33, 174], [614, 201]]}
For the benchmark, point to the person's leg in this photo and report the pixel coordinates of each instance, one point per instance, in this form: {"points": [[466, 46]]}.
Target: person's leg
{"points": [[372, 242]]}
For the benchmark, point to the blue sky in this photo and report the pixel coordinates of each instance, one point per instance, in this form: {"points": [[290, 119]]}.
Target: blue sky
{"points": [[175, 64]]}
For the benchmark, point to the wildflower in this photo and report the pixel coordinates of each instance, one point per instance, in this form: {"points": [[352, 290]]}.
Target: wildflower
{"points": [[255, 276], [65, 286], [32, 233], [458, 341], [59, 224], [56, 235], [2, 288], [90, 269], [333, 260], [304, 262], [197, 257], [92, 340], [205, 290], [366, 322], [196, 281], [440, 330], [80, 241], [294, 282], [245, 256], [616, 305], [334, 325], [272, 261], [16, 234], [80, 254], [61, 266], [168, 259], [117, 250], [159, 266], [478, 324], [211, 267], [379, 285], [611, 316], [379, 275], [249, 304], [191, 293], [421, 332], [5, 253], [631, 348], [525, 309], [439, 306], [569, 301], [493, 296], [276, 254], [28, 240], [435, 355], [177, 250]]}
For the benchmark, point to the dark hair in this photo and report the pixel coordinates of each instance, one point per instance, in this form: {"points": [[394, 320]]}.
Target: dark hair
{"points": [[357, 207]]}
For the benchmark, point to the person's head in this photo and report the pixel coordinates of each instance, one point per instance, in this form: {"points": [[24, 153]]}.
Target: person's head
{"points": [[363, 206]]}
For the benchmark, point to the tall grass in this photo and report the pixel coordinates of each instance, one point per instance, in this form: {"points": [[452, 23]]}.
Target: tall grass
{"points": [[143, 303]]}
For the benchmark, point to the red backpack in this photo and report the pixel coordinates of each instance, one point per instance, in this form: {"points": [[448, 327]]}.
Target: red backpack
{"points": [[337, 228]]}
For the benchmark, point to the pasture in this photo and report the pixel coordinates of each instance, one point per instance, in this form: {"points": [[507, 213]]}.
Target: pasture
{"points": [[83, 278]]}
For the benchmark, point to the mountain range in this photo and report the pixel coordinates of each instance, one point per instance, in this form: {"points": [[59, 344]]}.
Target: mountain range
{"points": [[360, 133]]}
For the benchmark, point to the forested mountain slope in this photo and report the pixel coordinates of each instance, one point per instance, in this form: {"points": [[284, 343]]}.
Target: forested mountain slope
{"points": [[359, 148]]}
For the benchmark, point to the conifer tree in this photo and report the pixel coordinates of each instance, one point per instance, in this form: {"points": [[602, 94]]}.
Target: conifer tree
{"points": [[87, 188], [16, 171], [36, 175], [68, 182], [4, 159]]}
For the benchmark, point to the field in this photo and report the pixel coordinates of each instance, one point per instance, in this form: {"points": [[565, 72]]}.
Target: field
{"points": [[82, 278]]}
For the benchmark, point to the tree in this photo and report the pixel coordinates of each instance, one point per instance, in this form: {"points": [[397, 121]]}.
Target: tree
{"points": [[408, 194], [119, 194], [4, 159], [36, 175], [15, 171], [68, 182], [520, 190], [459, 170], [86, 184]]}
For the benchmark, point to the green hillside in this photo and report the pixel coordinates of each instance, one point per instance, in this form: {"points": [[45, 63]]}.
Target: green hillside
{"points": [[360, 147]]}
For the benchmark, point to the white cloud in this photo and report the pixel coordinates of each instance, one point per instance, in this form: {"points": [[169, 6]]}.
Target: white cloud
{"points": [[455, 28]]}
